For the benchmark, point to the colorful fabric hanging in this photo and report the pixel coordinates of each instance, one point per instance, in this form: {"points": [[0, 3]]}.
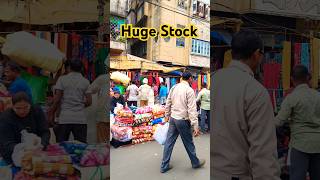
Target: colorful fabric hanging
{"points": [[271, 74], [209, 80], [199, 82], [227, 58], [305, 55], [173, 82], [297, 54], [286, 65], [205, 79], [75, 46], [168, 84]]}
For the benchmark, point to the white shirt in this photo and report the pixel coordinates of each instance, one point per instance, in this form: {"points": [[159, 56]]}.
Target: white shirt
{"points": [[133, 92]]}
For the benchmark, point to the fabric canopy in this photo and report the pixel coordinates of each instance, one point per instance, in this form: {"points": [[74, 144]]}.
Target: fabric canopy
{"points": [[44, 12], [133, 62]]}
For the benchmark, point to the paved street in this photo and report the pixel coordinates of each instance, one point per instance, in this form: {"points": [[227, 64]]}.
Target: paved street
{"points": [[142, 161]]}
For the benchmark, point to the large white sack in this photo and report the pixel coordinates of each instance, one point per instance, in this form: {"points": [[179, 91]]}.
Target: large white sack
{"points": [[120, 78], [28, 50]]}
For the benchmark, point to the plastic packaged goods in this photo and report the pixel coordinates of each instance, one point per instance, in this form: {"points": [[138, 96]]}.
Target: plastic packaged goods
{"points": [[28, 50], [122, 134]]}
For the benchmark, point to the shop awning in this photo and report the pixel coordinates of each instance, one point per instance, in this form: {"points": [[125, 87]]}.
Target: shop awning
{"points": [[218, 37], [133, 62], [44, 12]]}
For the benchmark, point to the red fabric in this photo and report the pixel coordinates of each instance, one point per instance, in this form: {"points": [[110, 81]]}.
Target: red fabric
{"points": [[297, 54], [271, 75], [158, 81], [150, 79], [195, 86]]}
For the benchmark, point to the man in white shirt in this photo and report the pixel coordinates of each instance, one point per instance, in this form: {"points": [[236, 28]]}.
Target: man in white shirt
{"points": [[204, 99], [181, 108], [144, 93], [132, 94]]}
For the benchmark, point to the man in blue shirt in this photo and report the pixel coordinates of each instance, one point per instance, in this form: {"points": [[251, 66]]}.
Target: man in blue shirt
{"points": [[16, 83], [163, 93]]}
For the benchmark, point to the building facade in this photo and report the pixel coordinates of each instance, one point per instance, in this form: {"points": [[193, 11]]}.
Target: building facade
{"points": [[177, 13], [118, 14]]}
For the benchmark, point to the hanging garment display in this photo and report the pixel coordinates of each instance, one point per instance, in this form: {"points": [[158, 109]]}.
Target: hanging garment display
{"points": [[286, 65], [297, 54], [305, 55]]}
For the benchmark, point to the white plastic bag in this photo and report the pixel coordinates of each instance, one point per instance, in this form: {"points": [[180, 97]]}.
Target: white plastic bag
{"points": [[28, 50], [161, 132], [29, 142]]}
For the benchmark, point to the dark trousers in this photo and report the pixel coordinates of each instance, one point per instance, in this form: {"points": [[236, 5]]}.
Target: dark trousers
{"points": [[204, 119], [79, 132], [132, 103], [184, 129], [301, 163]]}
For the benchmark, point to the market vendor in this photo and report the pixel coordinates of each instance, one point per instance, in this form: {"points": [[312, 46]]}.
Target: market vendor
{"points": [[22, 116], [116, 99], [14, 81]]}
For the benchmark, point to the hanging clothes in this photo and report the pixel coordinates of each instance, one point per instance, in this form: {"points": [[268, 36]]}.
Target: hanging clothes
{"points": [[199, 82], [150, 79], [173, 82], [75, 46], [205, 79], [286, 65], [271, 74], [168, 84], [297, 54], [305, 55]]}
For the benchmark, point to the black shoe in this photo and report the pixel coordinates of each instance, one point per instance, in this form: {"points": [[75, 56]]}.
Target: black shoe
{"points": [[201, 164], [165, 170]]}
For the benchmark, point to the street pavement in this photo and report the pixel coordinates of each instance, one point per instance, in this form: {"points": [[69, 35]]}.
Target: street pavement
{"points": [[142, 161]]}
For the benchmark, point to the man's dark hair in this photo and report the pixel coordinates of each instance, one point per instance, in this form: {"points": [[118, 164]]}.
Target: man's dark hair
{"points": [[13, 66], [186, 75], [204, 85], [19, 97], [300, 73], [244, 43], [76, 65], [67, 63]]}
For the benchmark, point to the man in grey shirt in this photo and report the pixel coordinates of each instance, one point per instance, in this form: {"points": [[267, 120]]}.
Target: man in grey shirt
{"points": [[243, 136], [73, 96]]}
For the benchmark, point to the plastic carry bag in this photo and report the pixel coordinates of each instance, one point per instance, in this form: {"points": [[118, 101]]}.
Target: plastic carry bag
{"points": [[161, 132], [28, 50]]}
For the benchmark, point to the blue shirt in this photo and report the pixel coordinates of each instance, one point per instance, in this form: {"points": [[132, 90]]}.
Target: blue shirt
{"points": [[163, 91], [19, 85]]}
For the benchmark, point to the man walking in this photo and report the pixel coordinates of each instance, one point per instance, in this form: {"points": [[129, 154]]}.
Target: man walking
{"points": [[243, 135], [302, 106], [144, 93], [204, 99], [73, 96], [132, 94], [182, 111], [163, 93]]}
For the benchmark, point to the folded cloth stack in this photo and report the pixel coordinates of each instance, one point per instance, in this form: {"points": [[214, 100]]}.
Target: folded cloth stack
{"points": [[96, 155], [75, 149], [124, 117], [144, 110], [157, 121], [158, 111], [142, 118], [122, 134], [142, 134], [124, 121]]}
